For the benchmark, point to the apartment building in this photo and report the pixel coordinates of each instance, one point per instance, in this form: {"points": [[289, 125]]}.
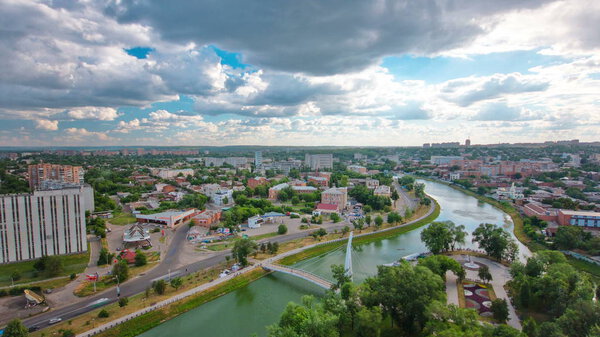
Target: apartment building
{"points": [[43, 223], [335, 196], [40, 174], [319, 161]]}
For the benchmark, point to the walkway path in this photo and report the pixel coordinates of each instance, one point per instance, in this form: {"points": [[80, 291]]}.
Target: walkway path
{"points": [[500, 274]]}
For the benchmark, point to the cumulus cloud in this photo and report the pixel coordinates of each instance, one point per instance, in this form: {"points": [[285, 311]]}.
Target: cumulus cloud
{"points": [[85, 136], [45, 124], [498, 112], [466, 93], [99, 113], [319, 37]]}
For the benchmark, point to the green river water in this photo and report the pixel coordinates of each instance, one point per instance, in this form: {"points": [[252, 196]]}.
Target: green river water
{"points": [[248, 310]]}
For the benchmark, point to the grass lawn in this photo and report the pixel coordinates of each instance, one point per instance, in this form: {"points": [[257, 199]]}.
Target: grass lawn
{"points": [[75, 263], [121, 219], [264, 236], [589, 268]]}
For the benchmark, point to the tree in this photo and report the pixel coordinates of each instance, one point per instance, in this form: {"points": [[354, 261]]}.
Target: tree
{"points": [[395, 195], [440, 264], [159, 286], [308, 319], [437, 237], [15, 276], [458, 235], [345, 230], [339, 275], [67, 333], [121, 270], [242, 249], [282, 229], [368, 220], [393, 218], [140, 258], [368, 322], [105, 257], [358, 224], [530, 327], [335, 217], [403, 292], [273, 248], [378, 221], [570, 237], [493, 240], [103, 314], [500, 309], [123, 301], [484, 274], [15, 328], [177, 283]]}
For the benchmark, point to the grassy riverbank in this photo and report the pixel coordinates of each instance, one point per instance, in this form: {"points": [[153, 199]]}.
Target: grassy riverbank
{"points": [[152, 319], [374, 236]]}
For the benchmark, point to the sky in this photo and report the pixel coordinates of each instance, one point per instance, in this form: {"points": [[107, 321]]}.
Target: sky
{"points": [[311, 72]]}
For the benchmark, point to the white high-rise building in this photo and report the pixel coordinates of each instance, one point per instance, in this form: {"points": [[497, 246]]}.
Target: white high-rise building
{"points": [[44, 223], [258, 159], [319, 161]]}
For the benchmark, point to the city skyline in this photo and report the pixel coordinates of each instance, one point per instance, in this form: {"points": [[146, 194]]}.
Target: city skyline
{"points": [[364, 74]]}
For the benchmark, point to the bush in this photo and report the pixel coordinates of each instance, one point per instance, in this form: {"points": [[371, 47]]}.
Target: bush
{"points": [[103, 314], [123, 301], [500, 310], [282, 229], [72, 276], [294, 216], [159, 286], [140, 258], [68, 333], [304, 220], [15, 276]]}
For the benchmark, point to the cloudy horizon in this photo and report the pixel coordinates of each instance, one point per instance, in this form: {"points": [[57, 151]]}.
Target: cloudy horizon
{"points": [[335, 73]]}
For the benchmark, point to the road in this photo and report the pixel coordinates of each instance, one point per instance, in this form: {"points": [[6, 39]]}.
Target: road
{"points": [[140, 283], [405, 199]]}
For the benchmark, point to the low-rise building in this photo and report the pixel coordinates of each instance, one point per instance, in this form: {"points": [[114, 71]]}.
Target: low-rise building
{"points": [[357, 169], [335, 196], [383, 190], [206, 218], [579, 218], [274, 191], [169, 219]]}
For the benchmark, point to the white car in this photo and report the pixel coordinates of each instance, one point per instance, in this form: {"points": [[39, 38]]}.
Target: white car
{"points": [[54, 320]]}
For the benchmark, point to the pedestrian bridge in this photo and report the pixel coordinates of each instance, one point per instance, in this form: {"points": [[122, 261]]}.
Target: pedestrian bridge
{"points": [[316, 279]]}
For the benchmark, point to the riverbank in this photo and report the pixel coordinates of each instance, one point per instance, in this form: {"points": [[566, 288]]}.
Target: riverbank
{"points": [[366, 237], [516, 218], [146, 319]]}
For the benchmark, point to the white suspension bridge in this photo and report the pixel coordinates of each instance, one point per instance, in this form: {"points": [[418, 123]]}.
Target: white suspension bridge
{"points": [[308, 276]]}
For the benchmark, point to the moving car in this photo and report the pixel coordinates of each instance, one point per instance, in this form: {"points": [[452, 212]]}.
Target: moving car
{"points": [[54, 320]]}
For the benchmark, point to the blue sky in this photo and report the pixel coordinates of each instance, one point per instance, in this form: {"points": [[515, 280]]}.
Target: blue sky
{"points": [[286, 73]]}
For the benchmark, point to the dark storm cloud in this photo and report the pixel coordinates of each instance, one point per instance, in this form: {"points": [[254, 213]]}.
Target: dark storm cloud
{"points": [[315, 36]]}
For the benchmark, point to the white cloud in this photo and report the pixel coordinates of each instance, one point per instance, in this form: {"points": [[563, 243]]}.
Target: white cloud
{"points": [[99, 113], [45, 124]]}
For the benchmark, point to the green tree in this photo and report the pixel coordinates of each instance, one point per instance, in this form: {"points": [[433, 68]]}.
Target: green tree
{"points": [[15, 276], [570, 237], [368, 220], [378, 221], [345, 230], [358, 224], [121, 270], [123, 301], [394, 218], [395, 195], [403, 292], [368, 322], [440, 264], [530, 327], [339, 275], [159, 286], [177, 283], [500, 309], [140, 258], [437, 237], [484, 274], [103, 314], [105, 257], [493, 240], [15, 328], [282, 229], [308, 319], [242, 249], [335, 217]]}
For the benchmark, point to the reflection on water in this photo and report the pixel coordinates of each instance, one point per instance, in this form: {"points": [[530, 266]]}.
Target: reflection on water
{"points": [[251, 308]]}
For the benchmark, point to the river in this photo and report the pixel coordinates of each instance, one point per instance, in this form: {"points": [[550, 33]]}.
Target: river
{"points": [[250, 309]]}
